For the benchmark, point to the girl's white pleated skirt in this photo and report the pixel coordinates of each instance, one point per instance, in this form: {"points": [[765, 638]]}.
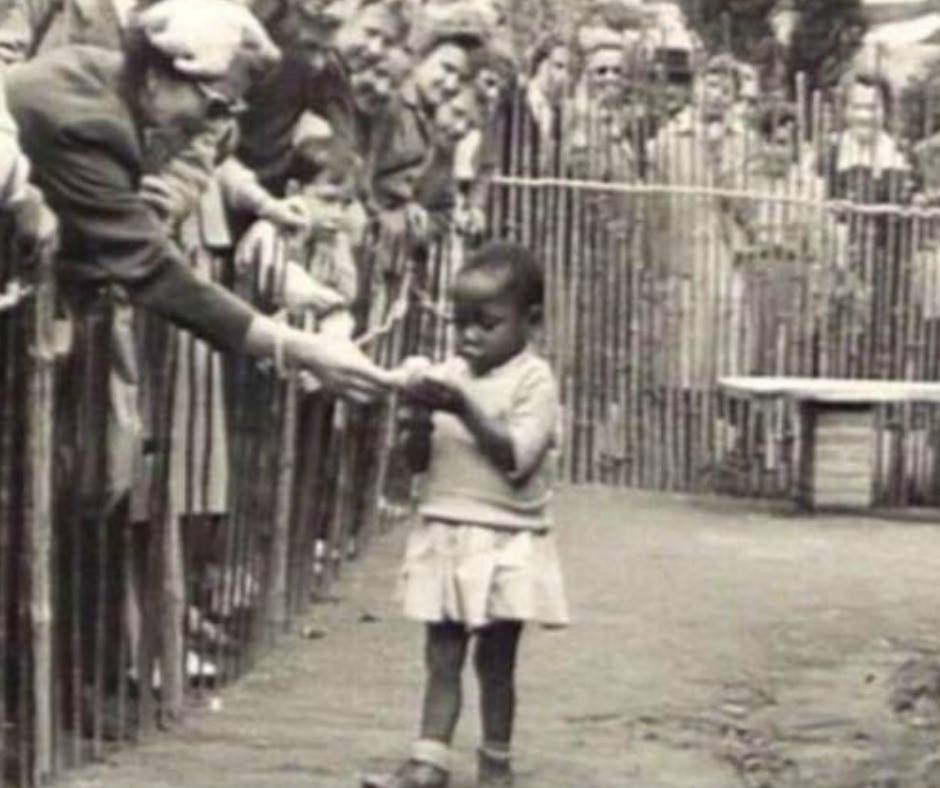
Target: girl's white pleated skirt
{"points": [[475, 575]]}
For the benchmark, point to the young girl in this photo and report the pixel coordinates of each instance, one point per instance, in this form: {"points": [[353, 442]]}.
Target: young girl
{"points": [[481, 560]]}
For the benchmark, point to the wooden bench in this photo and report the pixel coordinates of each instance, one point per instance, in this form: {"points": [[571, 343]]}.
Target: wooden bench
{"points": [[836, 462]]}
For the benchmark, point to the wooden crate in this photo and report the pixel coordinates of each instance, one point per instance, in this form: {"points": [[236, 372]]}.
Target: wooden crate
{"points": [[839, 456]]}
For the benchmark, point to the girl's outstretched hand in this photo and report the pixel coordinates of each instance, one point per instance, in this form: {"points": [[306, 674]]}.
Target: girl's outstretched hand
{"points": [[423, 385], [438, 395]]}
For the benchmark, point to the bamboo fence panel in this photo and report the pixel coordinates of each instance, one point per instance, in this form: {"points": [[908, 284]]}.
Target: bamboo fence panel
{"points": [[845, 302], [38, 518], [313, 480]]}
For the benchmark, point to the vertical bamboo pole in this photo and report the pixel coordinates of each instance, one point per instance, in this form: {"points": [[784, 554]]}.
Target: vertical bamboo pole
{"points": [[621, 330], [8, 421], [123, 580], [334, 547], [277, 614], [164, 509], [514, 200], [590, 310], [634, 294], [568, 264], [574, 327], [708, 288]]}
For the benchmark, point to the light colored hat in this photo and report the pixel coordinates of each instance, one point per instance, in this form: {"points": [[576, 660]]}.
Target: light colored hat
{"points": [[216, 42], [593, 39], [459, 22], [620, 15]]}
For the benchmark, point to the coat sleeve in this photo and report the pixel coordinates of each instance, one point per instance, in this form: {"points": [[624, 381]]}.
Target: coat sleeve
{"points": [[109, 235], [14, 166]]}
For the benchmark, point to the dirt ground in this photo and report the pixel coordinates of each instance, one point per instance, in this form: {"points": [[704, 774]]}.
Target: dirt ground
{"points": [[716, 645]]}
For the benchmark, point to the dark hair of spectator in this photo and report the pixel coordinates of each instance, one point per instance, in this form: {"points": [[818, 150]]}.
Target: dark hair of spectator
{"points": [[394, 13], [870, 80], [773, 116], [141, 57], [493, 59], [516, 264], [334, 158], [543, 51]]}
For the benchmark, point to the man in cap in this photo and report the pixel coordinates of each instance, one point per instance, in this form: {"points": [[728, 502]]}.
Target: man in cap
{"points": [[84, 113]]}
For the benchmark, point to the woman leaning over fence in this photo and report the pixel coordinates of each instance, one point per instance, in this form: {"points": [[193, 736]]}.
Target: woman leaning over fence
{"points": [[83, 115]]}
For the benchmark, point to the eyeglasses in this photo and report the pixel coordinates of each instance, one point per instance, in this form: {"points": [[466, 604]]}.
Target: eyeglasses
{"points": [[219, 105]]}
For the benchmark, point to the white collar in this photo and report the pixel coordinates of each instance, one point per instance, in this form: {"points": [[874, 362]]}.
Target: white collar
{"points": [[882, 155]]}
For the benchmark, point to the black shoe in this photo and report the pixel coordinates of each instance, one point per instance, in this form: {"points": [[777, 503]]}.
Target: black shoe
{"points": [[493, 771]]}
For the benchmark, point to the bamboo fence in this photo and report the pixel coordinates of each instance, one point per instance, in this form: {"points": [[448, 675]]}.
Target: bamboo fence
{"points": [[121, 610], [668, 262], [693, 260]]}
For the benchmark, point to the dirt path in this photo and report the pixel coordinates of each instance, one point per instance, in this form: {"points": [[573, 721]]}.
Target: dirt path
{"points": [[715, 647]]}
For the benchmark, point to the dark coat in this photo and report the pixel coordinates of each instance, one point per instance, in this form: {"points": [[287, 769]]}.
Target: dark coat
{"points": [[78, 128]]}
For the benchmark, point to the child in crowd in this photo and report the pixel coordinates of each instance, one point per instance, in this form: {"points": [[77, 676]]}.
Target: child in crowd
{"points": [[319, 274], [332, 183], [481, 559]]}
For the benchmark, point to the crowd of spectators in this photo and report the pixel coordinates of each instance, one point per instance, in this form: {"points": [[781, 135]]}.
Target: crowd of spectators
{"points": [[369, 128], [168, 152]]}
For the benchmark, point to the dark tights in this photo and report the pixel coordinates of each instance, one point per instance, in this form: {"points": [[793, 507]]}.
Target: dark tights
{"points": [[495, 663]]}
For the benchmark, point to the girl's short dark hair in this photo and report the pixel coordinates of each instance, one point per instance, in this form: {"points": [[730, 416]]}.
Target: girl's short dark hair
{"points": [[520, 267]]}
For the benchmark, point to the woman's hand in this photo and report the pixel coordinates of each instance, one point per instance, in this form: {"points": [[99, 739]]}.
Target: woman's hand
{"points": [[470, 221], [290, 214], [169, 199], [293, 288], [37, 226], [339, 365]]}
